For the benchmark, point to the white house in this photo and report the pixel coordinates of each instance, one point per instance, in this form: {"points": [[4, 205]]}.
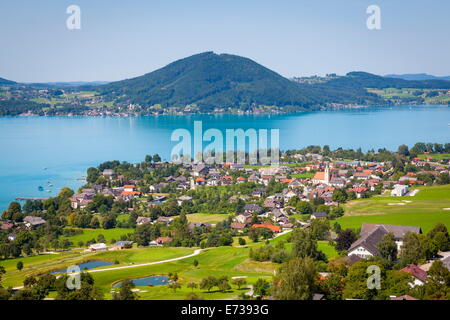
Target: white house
{"points": [[399, 190]]}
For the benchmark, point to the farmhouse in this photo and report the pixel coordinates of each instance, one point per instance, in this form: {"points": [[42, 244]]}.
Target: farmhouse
{"points": [[366, 246], [32, 221]]}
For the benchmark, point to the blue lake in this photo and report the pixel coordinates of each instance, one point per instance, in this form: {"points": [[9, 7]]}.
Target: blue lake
{"points": [[88, 265], [148, 281], [53, 152]]}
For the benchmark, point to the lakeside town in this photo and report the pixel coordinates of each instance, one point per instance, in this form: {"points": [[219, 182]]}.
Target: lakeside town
{"points": [[301, 214]]}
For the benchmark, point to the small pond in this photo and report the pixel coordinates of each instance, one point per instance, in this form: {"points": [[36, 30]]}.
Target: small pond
{"points": [[152, 281], [88, 265]]}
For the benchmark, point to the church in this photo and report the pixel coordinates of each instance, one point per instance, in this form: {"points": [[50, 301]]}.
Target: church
{"points": [[322, 177]]}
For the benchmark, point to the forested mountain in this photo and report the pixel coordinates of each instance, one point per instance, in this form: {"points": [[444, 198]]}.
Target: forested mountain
{"points": [[211, 79], [224, 80]]}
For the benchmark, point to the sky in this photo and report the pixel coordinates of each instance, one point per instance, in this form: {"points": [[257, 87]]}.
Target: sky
{"points": [[123, 39]]}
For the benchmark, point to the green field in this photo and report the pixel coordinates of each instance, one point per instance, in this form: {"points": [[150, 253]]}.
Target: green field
{"points": [[206, 217], [89, 234], [437, 156], [425, 209]]}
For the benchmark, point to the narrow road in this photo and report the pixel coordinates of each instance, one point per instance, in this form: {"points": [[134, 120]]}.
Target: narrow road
{"points": [[196, 252]]}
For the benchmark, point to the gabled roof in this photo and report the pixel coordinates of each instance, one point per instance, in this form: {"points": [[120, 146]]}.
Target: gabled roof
{"points": [[398, 231], [370, 240], [416, 272]]}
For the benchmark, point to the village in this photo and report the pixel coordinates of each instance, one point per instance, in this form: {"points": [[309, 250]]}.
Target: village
{"points": [[254, 204]]}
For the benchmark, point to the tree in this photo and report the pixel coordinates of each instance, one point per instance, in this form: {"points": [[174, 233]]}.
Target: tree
{"points": [[438, 284], [357, 279], [195, 263], [223, 284], [192, 285], [261, 287], [208, 283], [65, 193], [156, 158], [304, 207], [412, 250], [239, 282], [295, 280], [242, 242], [304, 245], [174, 286], [345, 239], [340, 195], [19, 265], [441, 237], [388, 247], [403, 150], [126, 291]]}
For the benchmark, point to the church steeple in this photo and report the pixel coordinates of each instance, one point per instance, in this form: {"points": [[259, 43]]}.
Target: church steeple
{"points": [[327, 174]]}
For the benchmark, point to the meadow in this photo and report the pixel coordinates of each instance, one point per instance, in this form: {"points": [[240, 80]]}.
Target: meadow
{"points": [[425, 209], [89, 234]]}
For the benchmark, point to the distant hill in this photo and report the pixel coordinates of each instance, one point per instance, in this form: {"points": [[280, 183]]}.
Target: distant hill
{"points": [[368, 80], [223, 80], [209, 79], [417, 76], [6, 82]]}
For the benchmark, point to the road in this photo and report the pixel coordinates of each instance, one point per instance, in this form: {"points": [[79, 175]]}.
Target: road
{"points": [[196, 252]]}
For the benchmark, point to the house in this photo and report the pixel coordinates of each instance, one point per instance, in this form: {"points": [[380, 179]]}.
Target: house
{"points": [[194, 225], [267, 225], [240, 180], [252, 208], [199, 170], [163, 240], [142, 220], [32, 221], [399, 190], [317, 215], [419, 275], [366, 246], [6, 226], [398, 231], [166, 220], [237, 226], [98, 247], [245, 218], [108, 172], [183, 198], [120, 245], [129, 188]]}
